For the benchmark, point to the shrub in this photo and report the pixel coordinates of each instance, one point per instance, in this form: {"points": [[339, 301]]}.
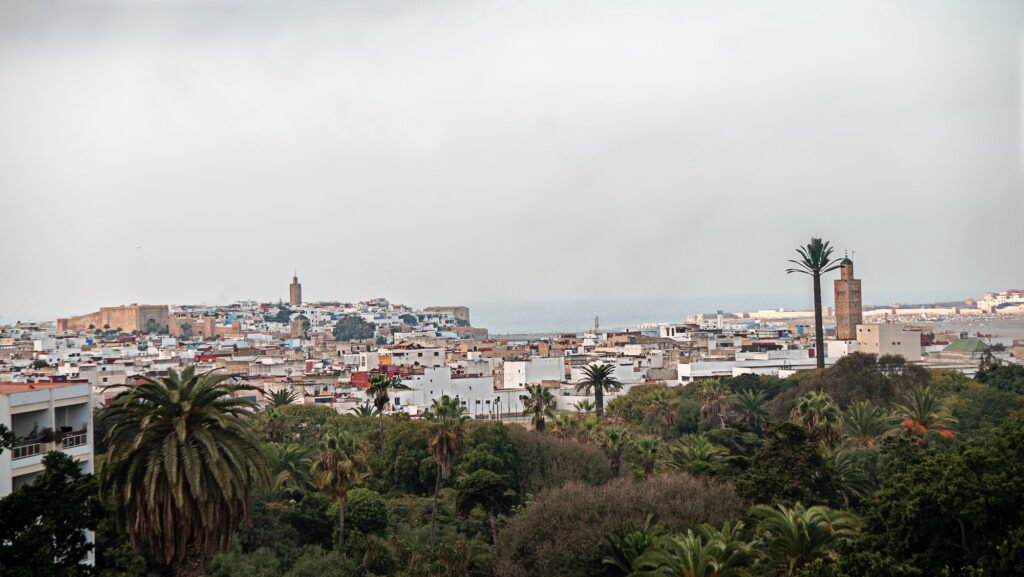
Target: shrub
{"points": [[367, 512], [548, 462], [563, 531]]}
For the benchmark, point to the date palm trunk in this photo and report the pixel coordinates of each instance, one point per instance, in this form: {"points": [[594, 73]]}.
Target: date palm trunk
{"points": [[819, 337]]}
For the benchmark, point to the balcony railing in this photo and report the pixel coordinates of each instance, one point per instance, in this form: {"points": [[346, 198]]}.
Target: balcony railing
{"points": [[26, 450], [75, 439]]}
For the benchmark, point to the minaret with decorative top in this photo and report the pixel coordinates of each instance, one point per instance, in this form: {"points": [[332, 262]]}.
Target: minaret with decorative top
{"points": [[295, 291], [849, 308]]}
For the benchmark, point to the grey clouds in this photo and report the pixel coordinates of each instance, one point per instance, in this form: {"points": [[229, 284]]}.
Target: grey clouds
{"points": [[464, 152]]}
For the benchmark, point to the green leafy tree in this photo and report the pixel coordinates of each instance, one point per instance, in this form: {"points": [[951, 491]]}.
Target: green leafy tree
{"points": [[796, 536], [598, 379], [787, 469], [367, 512], [353, 328], [1007, 377], [539, 403], [43, 524], [339, 466], [816, 260], [7, 438], [182, 465], [446, 438], [488, 490]]}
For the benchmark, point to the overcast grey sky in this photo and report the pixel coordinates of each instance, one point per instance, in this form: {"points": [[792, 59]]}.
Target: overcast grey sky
{"points": [[474, 151]]}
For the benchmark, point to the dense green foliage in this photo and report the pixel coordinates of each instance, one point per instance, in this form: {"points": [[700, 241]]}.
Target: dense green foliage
{"points": [[872, 467], [42, 523], [353, 328]]}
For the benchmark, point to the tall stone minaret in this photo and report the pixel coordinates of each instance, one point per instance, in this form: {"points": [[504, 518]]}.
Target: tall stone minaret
{"points": [[295, 291], [849, 308]]}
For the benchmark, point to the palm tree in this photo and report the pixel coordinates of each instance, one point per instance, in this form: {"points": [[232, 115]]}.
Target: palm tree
{"points": [[379, 385], [281, 398], [539, 403], [364, 410], [645, 452], [339, 466], [864, 424], [626, 547], [696, 455], [816, 260], [663, 410], [749, 407], [614, 441], [447, 435], [588, 429], [923, 412], [794, 537], [584, 406], [289, 469], [714, 401], [706, 553], [599, 379], [182, 466], [818, 413], [275, 424], [565, 426], [852, 480]]}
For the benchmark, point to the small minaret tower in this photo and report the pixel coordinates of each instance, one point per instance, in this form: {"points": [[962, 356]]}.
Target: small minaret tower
{"points": [[295, 291], [849, 307]]}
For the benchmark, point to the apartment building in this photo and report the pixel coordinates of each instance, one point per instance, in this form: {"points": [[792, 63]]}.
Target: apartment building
{"points": [[45, 417]]}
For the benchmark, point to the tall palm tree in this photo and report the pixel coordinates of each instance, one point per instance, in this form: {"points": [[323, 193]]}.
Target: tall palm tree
{"points": [[378, 391], [922, 413], [816, 260], [794, 537], [852, 480], [706, 553], [446, 438], [646, 451], [696, 455], [864, 424], [614, 441], [182, 466], [281, 398], [289, 469], [818, 413], [714, 401], [539, 403], [750, 408], [600, 379], [339, 466], [663, 410]]}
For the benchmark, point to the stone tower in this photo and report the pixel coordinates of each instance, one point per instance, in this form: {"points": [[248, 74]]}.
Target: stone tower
{"points": [[849, 311], [295, 291]]}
